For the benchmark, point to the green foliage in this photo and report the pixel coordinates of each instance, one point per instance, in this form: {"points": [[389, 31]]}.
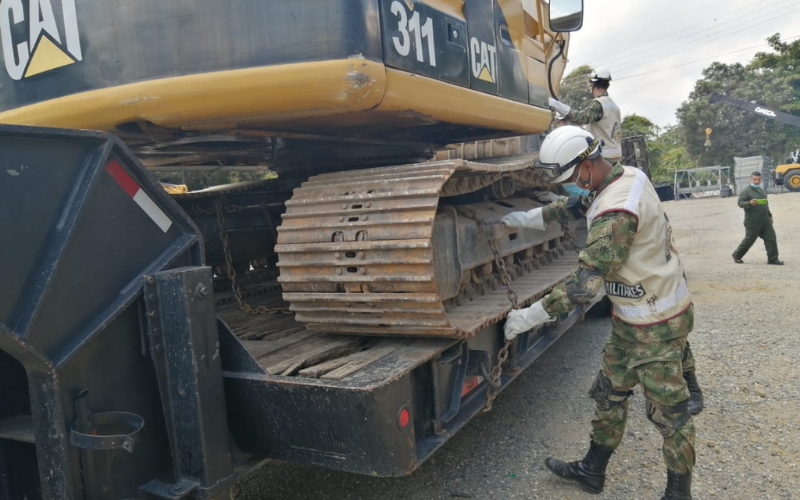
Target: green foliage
{"points": [[638, 125], [771, 79], [667, 153], [574, 89]]}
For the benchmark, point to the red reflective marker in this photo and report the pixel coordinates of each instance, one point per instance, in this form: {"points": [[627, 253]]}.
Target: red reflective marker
{"points": [[404, 418]]}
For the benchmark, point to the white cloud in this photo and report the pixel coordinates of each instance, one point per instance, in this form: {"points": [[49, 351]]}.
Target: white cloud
{"points": [[631, 37]]}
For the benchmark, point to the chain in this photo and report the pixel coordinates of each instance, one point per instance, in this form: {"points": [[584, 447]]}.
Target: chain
{"points": [[569, 235], [502, 355], [237, 292], [504, 276]]}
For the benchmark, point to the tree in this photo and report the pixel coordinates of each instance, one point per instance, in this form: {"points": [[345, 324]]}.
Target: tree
{"points": [[771, 79], [783, 66], [638, 125], [574, 89], [667, 153]]}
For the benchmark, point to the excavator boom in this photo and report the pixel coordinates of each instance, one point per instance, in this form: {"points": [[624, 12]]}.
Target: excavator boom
{"points": [[787, 174]]}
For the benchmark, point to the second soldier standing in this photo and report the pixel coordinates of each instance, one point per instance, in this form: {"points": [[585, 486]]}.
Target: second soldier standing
{"points": [[602, 118]]}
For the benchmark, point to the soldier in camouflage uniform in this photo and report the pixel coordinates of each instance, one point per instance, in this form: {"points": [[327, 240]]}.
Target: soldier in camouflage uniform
{"points": [[602, 118], [630, 255]]}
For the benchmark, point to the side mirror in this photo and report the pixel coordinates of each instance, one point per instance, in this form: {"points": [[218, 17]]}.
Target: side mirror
{"points": [[566, 15]]}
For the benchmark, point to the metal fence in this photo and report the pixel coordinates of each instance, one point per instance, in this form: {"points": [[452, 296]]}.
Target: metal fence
{"points": [[743, 167], [703, 182]]}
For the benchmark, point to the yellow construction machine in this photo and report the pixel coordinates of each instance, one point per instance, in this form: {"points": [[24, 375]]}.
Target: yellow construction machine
{"points": [[346, 313], [317, 92], [788, 174]]}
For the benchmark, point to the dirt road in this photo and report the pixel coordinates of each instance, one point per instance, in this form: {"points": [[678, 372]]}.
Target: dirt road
{"points": [[747, 343]]}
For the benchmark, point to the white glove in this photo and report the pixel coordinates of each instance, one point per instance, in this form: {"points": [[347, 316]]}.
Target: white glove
{"points": [[546, 196], [559, 106], [526, 319], [532, 219]]}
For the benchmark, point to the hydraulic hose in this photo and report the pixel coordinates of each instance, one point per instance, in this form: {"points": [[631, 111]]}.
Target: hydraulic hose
{"points": [[561, 45]]}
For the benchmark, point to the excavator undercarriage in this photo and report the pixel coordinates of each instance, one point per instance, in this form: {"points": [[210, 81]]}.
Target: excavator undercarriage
{"points": [[402, 251]]}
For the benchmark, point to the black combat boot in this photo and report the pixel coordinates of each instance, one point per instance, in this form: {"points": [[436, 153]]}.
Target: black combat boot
{"points": [[590, 472], [695, 394], [679, 486]]}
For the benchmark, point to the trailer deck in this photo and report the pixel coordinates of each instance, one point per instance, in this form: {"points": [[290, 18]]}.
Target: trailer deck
{"points": [[284, 347], [371, 405]]}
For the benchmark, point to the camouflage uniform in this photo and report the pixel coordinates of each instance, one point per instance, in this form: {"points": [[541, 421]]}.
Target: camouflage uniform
{"points": [[591, 113], [603, 119], [648, 355]]}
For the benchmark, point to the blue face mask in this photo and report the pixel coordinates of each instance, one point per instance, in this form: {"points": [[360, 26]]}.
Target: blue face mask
{"points": [[572, 189], [755, 185]]}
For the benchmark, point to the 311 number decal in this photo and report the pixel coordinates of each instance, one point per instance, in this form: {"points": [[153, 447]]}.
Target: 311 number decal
{"points": [[422, 30]]}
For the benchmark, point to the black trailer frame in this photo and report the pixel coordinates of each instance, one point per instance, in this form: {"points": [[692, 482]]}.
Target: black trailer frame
{"points": [[384, 420], [102, 394]]}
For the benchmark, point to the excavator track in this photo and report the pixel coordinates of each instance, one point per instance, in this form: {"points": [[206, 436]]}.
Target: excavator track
{"points": [[376, 252]]}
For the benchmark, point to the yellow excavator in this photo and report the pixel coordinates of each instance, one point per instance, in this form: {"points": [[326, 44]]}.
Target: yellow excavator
{"points": [[338, 89], [346, 313]]}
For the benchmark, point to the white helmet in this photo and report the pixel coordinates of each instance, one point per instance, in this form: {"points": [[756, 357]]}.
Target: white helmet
{"points": [[563, 149], [601, 74]]}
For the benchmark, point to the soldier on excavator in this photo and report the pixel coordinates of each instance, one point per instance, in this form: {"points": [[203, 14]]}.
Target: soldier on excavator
{"points": [[630, 256], [602, 118]]}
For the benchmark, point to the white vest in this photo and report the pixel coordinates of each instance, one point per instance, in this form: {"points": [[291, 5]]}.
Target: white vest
{"points": [[649, 287], [608, 128]]}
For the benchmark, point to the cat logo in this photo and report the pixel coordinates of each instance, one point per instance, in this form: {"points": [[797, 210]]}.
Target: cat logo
{"points": [[46, 47], [484, 60]]}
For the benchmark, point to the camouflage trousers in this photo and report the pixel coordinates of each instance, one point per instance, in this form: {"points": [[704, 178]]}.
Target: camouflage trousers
{"points": [[656, 365]]}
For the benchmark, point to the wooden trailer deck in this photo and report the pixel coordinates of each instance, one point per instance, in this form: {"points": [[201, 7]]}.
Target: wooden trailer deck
{"points": [[284, 347]]}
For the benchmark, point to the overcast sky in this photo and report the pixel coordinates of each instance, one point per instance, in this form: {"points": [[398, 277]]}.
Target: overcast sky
{"points": [[660, 38]]}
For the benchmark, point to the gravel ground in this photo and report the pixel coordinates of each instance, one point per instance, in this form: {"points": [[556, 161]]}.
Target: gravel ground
{"points": [[746, 344]]}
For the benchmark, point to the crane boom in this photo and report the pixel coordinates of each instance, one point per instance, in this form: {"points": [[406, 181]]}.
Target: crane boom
{"points": [[758, 109]]}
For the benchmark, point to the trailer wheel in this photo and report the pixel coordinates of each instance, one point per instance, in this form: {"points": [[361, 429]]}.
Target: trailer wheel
{"points": [[792, 180]]}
